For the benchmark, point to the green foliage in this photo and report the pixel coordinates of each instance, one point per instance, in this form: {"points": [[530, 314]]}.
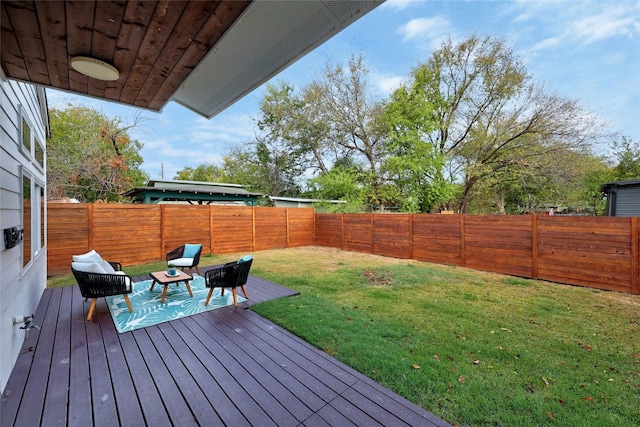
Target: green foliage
{"points": [[469, 131], [627, 155], [339, 183], [490, 121], [414, 164], [203, 173], [263, 166], [90, 157]]}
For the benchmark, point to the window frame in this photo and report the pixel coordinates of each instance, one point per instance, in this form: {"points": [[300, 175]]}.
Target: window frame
{"points": [[33, 149], [27, 229], [39, 162], [26, 147]]}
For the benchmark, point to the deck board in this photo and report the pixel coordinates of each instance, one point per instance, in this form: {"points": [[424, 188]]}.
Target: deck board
{"points": [[228, 366]]}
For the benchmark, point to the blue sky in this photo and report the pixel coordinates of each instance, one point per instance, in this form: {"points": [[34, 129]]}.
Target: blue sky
{"points": [[583, 50]]}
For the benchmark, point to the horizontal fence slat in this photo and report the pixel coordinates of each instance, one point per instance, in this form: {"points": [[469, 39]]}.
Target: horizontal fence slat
{"points": [[597, 252]]}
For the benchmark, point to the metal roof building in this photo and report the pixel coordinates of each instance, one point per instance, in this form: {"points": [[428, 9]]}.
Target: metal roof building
{"points": [[192, 192], [623, 198]]}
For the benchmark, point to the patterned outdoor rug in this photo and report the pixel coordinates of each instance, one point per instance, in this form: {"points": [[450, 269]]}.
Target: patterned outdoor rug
{"points": [[148, 310]]}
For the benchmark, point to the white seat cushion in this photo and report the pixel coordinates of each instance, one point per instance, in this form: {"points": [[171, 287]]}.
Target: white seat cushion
{"points": [[88, 267], [91, 256], [182, 262]]}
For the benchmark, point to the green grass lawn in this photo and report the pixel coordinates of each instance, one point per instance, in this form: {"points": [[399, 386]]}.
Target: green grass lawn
{"points": [[474, 348]]}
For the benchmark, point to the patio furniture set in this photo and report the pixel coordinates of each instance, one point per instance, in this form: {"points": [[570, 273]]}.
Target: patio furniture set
{"points": [[99, 278]]}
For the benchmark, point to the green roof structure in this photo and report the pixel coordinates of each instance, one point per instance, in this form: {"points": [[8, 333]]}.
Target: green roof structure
{"points": [[192, 192]]}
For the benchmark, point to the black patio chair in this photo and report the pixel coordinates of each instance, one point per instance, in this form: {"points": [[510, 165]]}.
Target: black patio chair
{"points": [[97, 285], [186, 256], [230, 275]]}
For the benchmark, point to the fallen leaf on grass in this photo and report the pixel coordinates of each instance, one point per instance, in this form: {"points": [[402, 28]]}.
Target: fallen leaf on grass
{"points": [[587, 398], [505, 329], [587, 347], [550, 415], [475, 362], [414, 366], [435, 356], [461, 379]]}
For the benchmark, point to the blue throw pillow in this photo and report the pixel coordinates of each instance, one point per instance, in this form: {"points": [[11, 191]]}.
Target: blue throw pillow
{"points": [[190, 250], [245, 259]]}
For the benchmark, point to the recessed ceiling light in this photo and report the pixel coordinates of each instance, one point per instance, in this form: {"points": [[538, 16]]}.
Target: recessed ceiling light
{"points": [[94, 68]]}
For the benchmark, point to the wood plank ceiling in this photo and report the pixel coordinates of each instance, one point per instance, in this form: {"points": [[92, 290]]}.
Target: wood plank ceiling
{"points": [[154, 44]]}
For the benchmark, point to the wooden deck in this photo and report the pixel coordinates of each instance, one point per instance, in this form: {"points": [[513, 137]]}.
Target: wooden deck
{"points": [[228, 366]]}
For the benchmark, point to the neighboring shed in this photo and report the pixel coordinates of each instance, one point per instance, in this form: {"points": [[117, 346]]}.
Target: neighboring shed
{"points": [[623, 198], [192, 192]]}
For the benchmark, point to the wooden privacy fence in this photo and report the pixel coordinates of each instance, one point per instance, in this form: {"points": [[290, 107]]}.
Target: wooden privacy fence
{"points": [[135, 234], [597, 252]]}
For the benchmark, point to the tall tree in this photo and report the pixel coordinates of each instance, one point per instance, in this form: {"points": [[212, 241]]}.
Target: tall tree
{"points": [[90, 156], [414, 164], [294, 119], [355, 121], [490, 117], [264, 166]]}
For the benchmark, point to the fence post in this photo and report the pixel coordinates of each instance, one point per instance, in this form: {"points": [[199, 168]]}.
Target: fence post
{"points": [[635, 256], [411, 236], [534, 247], [211, 229], [90, 226], [286, 214], [253, 227], [372, 232], [342, 231], [462, 243], [163, 243]]}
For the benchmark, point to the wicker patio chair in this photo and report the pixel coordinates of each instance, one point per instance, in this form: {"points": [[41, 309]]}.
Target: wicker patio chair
{"points": [[230, 275], [97, 285], [186, 256]]}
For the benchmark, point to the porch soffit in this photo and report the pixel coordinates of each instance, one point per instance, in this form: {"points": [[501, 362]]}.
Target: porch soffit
{"points": [[204, 55]]}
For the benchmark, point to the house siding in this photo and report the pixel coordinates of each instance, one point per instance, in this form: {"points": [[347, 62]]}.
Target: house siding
{"points": [[20, 287], [628, 201]]}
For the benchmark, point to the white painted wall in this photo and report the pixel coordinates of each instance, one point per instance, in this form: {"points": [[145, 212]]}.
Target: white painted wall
{"points": [[21, 287]]}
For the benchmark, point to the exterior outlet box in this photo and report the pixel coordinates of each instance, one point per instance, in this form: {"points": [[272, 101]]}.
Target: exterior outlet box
{"points": [[12, 237]]}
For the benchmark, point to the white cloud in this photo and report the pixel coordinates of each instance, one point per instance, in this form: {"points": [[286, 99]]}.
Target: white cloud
{"points": [[398, 4], [425, 28], [615, 21], [386, 84], [549, 43]]}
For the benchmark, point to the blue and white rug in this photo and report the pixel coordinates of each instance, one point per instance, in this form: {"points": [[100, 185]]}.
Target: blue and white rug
{"points": [[148, 310]]}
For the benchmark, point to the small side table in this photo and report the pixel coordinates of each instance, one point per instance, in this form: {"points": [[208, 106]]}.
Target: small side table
{"points": [[161, 278]]}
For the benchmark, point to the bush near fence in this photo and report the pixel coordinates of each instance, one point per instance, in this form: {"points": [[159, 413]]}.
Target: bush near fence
{"points": [[597, 252]]}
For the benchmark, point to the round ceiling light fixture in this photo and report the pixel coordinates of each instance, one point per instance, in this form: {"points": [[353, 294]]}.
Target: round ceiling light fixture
{"points": [[94, 68]]}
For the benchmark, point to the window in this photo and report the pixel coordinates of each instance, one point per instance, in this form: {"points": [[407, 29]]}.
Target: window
{"points": [[33, 218], [38, 153], [42, 218], [26, 135], [26, 219], [31, 145]]}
